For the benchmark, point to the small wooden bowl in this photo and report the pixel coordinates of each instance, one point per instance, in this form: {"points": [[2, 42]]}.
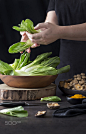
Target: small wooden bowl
{"points": [[28, 81]]}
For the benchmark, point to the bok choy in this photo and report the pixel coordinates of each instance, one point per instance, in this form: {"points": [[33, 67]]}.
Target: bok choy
{"points": [[28, 26], [16, 111], [5, 68], [42, 65]]}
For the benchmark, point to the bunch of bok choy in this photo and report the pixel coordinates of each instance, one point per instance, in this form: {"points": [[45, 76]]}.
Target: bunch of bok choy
{"points": [[42, 65]]}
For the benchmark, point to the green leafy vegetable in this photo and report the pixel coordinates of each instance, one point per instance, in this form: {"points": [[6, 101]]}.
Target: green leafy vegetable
{"points": [[24, 60], [28, 26], [20, 46], [51, 98], [37, 61], [5, 68], [41, 66], [15, 64], [16, 111], [63, 69], [41, 70], [52, 62]]}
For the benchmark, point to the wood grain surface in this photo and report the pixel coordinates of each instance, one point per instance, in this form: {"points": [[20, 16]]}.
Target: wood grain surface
{"points": [[11, 93], [28, 81]]}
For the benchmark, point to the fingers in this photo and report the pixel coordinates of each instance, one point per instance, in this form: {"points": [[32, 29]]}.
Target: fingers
{"points": [[24, 37], [21, 52], [28, 50], [22, 33], [40, 25], [33, 36], [35, 45]]}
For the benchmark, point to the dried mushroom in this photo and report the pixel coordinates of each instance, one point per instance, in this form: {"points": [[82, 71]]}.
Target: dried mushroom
{"points": [[75, 76], [61, 83], [40, 113], [78, 75], [78, 87], [75, 82], [78, 83], [53, 105], [66, 85], [81, 82], [83, 74], [69, 80], [78, 78], [83, 77]]}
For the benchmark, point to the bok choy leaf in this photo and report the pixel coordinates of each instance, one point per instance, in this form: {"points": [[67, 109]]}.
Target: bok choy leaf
{"points": [[20, 46], [63, 69], [5, 68], [52, 62], [16, 111], [26, 25], [15, 64], [51, 98], [37, 61]]}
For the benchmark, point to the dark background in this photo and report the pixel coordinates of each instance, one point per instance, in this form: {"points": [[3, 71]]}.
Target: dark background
{"points": [[12, 12]]}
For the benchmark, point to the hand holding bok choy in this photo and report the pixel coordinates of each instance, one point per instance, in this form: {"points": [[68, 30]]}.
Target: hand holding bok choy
{"points": [[27, 26], [42, 65]]}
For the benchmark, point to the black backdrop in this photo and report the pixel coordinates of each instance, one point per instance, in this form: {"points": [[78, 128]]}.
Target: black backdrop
{"points": [[11, 13]]}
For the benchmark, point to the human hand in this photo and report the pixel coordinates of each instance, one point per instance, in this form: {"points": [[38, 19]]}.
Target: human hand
{"points": [[24, 38], [49, 33]]}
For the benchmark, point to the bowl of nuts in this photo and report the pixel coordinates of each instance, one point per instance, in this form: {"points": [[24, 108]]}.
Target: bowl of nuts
{"points": [[75, 85]]}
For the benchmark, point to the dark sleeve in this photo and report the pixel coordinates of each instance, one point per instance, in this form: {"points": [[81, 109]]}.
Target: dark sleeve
{"points": [[51, 5]]}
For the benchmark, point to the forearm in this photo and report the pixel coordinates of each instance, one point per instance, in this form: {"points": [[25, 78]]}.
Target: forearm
{"points": [[51, 17], [73, 32]]}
